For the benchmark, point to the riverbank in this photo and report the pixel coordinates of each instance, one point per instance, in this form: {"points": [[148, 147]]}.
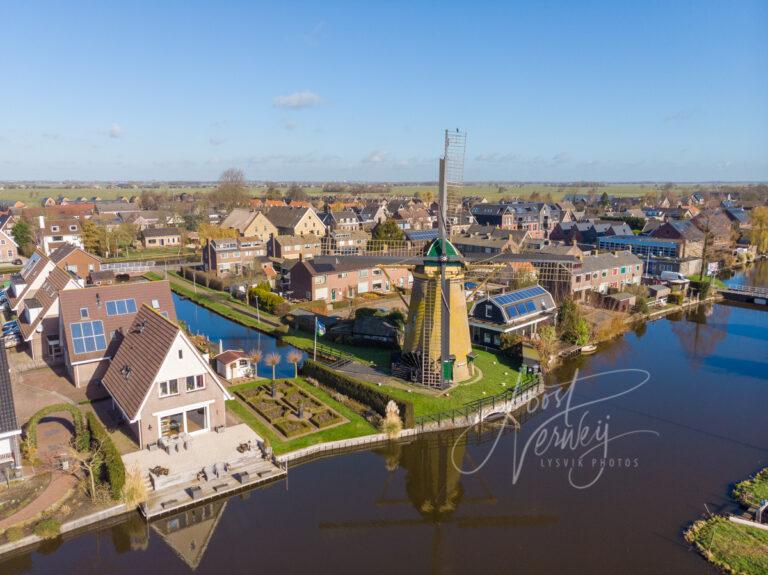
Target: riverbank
{"points": [[736, 544]]}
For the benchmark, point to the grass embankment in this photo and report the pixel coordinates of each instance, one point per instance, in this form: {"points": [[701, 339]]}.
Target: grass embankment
{"points": [[752, 491], [304, 340], [216, 301], [733, 547], [716, 282], [152, 253], [355, 427]]}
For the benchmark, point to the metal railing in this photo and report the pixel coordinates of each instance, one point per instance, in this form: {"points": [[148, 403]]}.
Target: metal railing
{"points": [[478, 405]]}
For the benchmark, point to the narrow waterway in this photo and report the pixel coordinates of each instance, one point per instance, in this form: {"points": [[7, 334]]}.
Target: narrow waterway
{"points": [[231, 335], [646, 461]]}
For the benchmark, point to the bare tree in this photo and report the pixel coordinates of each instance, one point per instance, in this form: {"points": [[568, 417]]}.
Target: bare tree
{"points": [[90, 463], [232, 189], [294, 357], [272, 360]]}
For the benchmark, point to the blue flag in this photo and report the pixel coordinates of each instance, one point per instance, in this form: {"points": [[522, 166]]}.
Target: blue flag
{"points": [[320, 328]]}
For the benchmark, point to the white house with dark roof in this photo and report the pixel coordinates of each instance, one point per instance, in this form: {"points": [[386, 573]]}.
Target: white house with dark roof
{"points": [[161, 384]]}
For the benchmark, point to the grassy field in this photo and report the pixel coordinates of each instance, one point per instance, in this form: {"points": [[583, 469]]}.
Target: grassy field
{"points": [[490, 190], [732, 547], [355, 427], [754, 490], [304, 340]]}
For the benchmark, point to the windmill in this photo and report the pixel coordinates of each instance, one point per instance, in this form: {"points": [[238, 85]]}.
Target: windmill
{"points": [[437, 348], [437, 344]]}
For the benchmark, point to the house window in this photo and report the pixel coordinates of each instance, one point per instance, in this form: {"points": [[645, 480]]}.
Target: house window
{"points": [[181, 354], [195, 382], [54, 228], [170, 387], [155, 304], [578, 279], [488, 311], [72, 228], [84, 312]]}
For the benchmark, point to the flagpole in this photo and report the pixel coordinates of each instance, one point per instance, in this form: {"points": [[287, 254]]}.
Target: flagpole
{"points": [[314, 349]]}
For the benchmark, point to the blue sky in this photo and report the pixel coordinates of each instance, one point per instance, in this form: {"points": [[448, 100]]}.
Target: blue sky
{"points": [[553, 91]]}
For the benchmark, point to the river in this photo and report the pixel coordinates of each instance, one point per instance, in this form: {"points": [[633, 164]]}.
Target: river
{"points": [[678, 443]]}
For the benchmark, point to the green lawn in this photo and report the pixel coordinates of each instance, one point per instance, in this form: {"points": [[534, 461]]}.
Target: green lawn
{"points": [[732, 547], [499, 373], [753, 490], [356, 427], [717, 282], [304, 340]]}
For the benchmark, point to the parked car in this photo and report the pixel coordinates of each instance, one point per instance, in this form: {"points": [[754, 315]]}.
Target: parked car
{"points": [[11, 340]]}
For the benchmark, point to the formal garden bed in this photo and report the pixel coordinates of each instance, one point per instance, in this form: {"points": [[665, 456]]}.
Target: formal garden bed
{"points": [[290, 410], [340, 417]]}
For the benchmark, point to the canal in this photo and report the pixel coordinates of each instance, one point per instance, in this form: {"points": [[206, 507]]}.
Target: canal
{"points": [[232, 335], [603, 483]]}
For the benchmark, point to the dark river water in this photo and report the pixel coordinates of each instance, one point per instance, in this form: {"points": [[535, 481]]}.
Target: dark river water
{"points": [[652, 459]]}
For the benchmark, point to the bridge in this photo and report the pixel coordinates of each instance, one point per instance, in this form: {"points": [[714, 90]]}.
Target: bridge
{"points": [[743, 293]]}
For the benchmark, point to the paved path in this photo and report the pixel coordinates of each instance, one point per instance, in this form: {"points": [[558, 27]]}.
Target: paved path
{"points": [[57, 489]]}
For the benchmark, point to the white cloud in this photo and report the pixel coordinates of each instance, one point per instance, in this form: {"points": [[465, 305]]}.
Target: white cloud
{"points": [[376, 157], [297, 100], [115, 131]]}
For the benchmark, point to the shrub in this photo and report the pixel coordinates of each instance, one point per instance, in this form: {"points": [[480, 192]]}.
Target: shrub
{"points": [[13, 533], [48, 528], [134, 490], [268, 301], [113, 468], [675, 298], [375, 399]]}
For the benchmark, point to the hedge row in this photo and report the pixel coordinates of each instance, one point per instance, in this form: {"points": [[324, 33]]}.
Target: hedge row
{"points": [[113, 469], [82, 437], [205, 279], [358, 390]]}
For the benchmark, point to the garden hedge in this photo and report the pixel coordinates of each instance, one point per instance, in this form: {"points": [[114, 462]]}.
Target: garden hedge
{"points": [[113, 469], [82, 437], [358, 390]]}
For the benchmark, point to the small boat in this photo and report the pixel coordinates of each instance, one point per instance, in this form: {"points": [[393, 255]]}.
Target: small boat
{"points": [[587, 349]]}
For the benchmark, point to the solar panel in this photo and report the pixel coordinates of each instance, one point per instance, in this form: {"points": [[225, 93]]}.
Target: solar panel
{"points": [[88, 336], [121, 306]]}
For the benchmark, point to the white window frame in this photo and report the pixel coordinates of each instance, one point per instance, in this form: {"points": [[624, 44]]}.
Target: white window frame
{"points": [[167, 392]]}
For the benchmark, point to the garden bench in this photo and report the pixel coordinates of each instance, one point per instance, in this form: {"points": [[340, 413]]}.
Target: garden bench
{"points": [[220, 486], [166, 504]]}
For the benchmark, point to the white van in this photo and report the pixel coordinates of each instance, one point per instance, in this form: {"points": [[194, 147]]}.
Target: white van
{"points": [[673, 276]]}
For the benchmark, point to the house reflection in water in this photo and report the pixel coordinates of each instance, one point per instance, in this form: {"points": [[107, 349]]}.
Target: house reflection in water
{"points": [[189, 532]]}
